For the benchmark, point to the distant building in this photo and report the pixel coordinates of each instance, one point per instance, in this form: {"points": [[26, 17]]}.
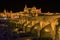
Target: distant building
{"points": [[26, 12]]}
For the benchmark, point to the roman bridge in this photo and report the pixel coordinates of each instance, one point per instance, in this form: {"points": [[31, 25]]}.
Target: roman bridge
{"points": [[42, 20], [39, 22]]}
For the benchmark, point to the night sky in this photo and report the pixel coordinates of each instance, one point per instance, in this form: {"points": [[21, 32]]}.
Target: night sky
{"points": [[18, 5]]}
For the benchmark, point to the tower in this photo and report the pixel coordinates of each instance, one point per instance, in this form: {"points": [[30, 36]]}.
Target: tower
{"points": [[25, 6], [26, 9], [11, 14]]}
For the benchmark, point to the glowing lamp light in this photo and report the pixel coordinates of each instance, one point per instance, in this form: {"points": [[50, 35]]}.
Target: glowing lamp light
{"points": [[29, 26], [47, 30], [35, 27]]}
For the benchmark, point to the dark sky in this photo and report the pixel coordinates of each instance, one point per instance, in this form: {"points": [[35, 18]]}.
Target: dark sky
{"points": [[18, 5]]}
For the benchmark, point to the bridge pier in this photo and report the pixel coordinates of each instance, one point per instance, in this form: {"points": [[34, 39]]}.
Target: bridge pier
{"points": [[53, 32]]}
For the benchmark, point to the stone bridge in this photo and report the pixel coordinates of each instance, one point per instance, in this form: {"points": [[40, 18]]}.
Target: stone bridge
{"points": [[41, 22]]}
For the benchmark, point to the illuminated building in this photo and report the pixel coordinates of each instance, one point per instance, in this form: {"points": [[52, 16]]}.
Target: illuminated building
{"points": [[26, 9], [26, 12]]}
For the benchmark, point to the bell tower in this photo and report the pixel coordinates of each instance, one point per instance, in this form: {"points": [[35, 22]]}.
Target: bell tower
{"points": [[26, 9], [25, 6]]}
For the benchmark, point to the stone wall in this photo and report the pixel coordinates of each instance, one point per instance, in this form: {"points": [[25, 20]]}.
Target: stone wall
{"points": [[43, 21]]}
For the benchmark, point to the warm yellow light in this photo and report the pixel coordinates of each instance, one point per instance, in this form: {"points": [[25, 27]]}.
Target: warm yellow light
{"points": [[35, 27], [47, 30], [29, 26]]}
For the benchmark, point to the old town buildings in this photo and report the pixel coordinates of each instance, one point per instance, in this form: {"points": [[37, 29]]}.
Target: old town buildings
{"points": [[26, 12]]}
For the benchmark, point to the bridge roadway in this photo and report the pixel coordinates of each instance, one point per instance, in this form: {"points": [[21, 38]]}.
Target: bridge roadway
{"points": [[43, 21]]}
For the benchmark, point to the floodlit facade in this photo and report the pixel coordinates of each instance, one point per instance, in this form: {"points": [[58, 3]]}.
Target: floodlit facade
{"points": [[26, 12]]}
